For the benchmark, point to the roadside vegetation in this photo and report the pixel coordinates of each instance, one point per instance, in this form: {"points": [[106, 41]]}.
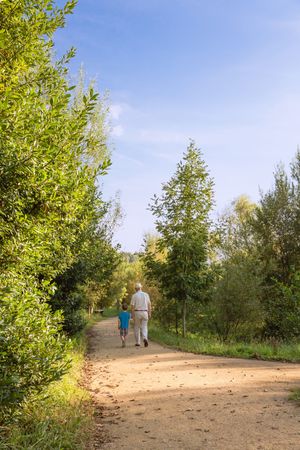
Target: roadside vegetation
{"points": [[240, 297], [228, 287], [61, 418], [57, 258], [110, 312], [295, 396], [211, 345]]}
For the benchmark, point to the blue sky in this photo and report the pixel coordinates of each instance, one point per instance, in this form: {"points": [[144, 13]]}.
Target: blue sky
{"points": [[225, 73]]}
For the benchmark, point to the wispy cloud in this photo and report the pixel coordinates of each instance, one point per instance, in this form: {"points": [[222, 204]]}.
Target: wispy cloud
{"points": [[130, 159], [120, 108], [158, 136], [117, 131], [120, 113], [116, 110]]}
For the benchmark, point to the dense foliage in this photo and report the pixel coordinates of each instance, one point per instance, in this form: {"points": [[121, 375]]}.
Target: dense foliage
{"points": [[240, 277], [182, 221], [52, 226], [237, 280]]}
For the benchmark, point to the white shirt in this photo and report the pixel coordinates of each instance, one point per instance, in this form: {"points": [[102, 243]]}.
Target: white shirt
{"points": [[141, 301]]}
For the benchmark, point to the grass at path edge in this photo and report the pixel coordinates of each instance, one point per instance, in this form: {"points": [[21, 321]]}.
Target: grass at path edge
{"points": [[62, 421], [201, 345], [211, 346]]}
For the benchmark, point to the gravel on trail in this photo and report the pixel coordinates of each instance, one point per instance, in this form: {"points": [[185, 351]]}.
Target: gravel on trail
{"points": [[159, 398]]}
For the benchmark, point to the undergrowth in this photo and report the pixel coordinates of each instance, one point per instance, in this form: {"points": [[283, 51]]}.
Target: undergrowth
{"points": [[212, 346], [62, 419]]}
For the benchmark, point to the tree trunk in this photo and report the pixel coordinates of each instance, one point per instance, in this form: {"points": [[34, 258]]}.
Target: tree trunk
{"points": [[176, 319], [184, 318]]}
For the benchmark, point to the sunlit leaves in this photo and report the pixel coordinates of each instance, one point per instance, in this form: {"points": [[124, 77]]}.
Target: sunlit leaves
{"points": [[182, 221], [50, 207]]}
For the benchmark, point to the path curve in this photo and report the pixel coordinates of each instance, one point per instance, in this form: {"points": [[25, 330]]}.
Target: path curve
{"points": [[158, 398]]}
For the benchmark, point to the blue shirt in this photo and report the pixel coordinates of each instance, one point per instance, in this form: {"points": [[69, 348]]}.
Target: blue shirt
{"points": [[124, 318]]}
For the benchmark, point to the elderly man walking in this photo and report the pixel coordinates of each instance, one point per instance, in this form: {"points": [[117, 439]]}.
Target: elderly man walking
{"points": [[140, 312]]}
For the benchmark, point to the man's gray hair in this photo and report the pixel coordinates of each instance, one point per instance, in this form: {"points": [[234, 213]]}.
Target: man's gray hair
{"points": [[138, 286]]}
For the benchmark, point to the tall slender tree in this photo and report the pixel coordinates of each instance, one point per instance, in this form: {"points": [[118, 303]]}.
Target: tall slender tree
{"points": [[182, 221]]}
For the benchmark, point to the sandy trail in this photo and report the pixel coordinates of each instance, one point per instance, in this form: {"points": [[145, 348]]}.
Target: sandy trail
{"points": [[157, 398]]}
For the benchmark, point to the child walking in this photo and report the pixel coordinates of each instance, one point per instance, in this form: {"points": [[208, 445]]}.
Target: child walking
{"points": [[123, 323]]}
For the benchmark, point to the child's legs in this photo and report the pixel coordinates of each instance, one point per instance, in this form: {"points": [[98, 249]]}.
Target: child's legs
{"points": [[123, 333]]}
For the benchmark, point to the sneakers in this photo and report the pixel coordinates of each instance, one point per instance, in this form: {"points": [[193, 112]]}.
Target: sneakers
{"points": [[145, 343]]}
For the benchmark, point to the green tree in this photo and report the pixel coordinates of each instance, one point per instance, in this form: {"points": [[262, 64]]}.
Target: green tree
{"points": [[277, 231], [275, 227], [51, 155], [85, 284], [284, 315], [182, 221], [235, 307], [235, 229]]}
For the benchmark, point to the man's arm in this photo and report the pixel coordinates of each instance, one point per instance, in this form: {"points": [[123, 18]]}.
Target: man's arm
{"points": [[149, 308], [132, 307]]}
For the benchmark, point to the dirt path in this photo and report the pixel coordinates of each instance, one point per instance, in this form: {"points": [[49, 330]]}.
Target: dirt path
{"points": [[157, 398]]}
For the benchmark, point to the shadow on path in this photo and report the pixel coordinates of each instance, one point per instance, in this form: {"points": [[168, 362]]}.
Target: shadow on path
{"points": [[157, 398]]}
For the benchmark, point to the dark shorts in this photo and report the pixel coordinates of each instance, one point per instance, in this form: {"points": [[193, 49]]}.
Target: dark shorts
{"points": [[123, 331]]}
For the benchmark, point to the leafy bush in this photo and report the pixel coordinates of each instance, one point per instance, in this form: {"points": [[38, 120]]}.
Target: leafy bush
{"points": [[283, 309], [32, 352], [63, 416], [52, 150], [75, 321], [236, 310]]}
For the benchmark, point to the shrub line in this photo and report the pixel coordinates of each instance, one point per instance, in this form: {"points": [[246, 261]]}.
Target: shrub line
{"points": [[197, 344]]}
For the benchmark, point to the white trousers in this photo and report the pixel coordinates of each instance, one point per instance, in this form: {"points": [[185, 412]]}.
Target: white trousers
{"points": [[140, 325]]}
